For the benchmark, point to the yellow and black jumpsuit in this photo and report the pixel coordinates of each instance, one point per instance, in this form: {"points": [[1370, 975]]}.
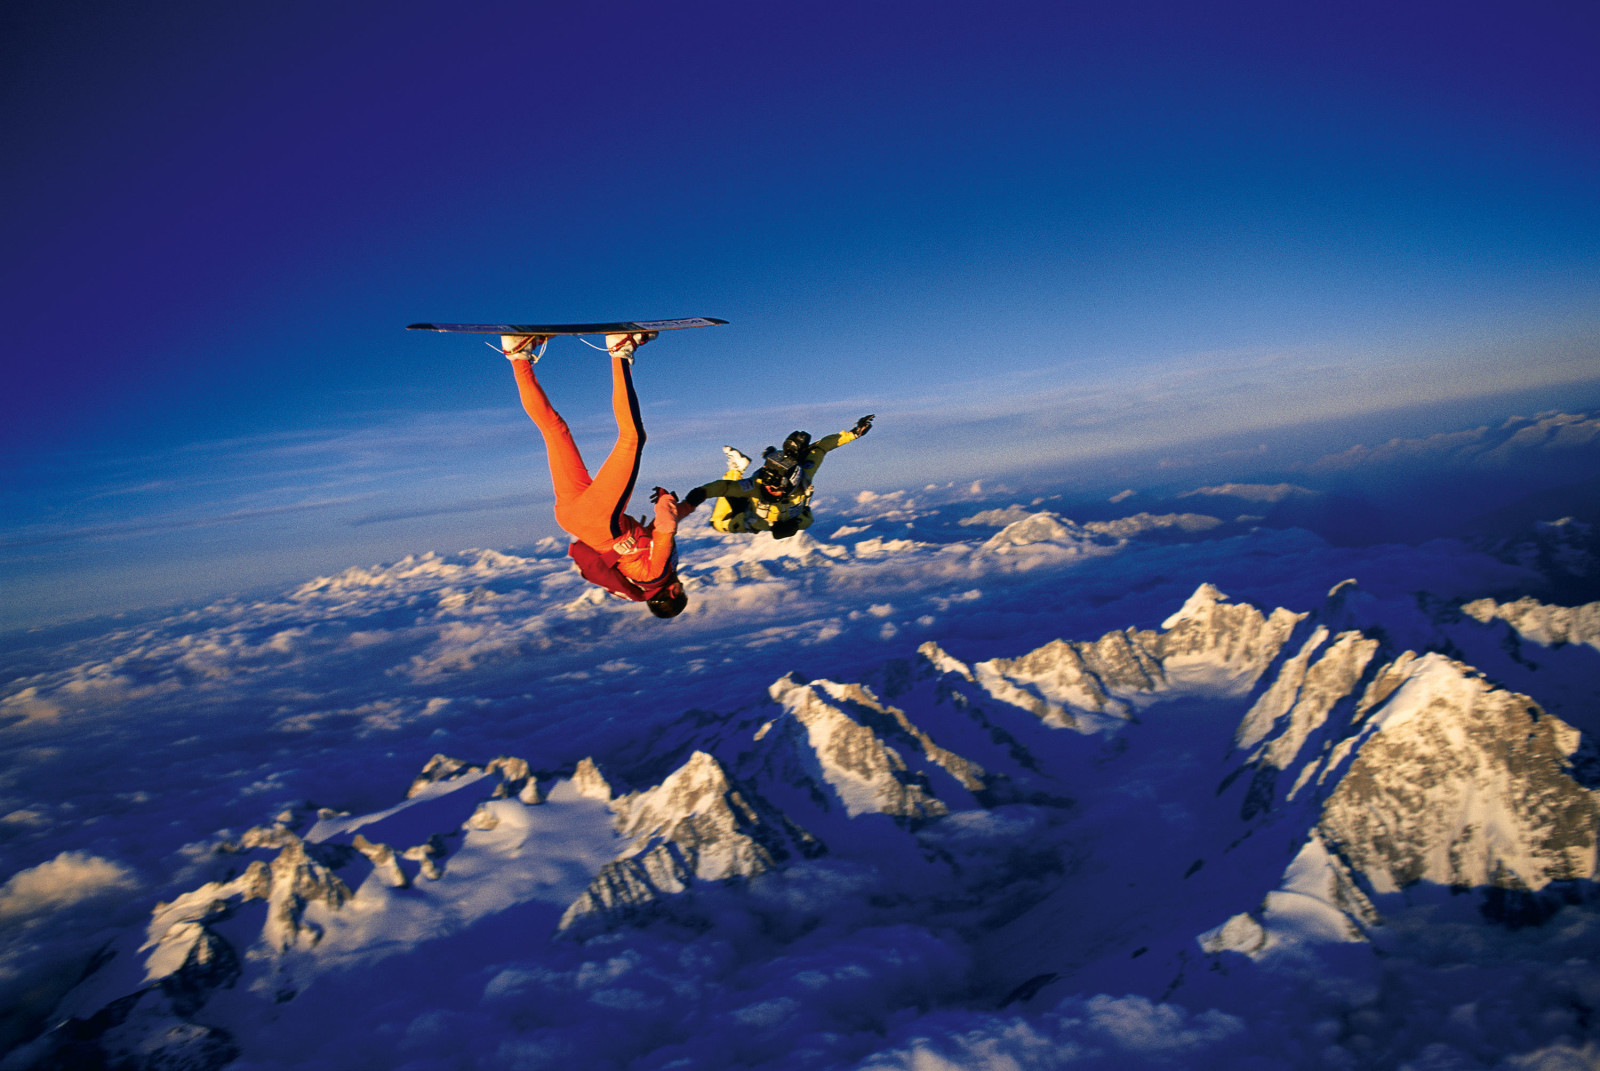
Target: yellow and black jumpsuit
{"points": [[759, 511]]}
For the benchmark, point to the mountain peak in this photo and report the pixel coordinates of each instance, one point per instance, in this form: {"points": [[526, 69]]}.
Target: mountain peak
{"points": [[1461, 783], [1044, 527], [865, 773], [943, 662], [588, 781], [1201, 606], [696, 825], [1541, 623]]}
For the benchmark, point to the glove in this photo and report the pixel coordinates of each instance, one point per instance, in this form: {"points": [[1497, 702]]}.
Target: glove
{"points": [[863, 425], [687, 504], [666, 510]]}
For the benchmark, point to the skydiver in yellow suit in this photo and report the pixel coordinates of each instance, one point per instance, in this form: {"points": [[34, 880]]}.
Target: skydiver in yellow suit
{"points": [[777, 498]]}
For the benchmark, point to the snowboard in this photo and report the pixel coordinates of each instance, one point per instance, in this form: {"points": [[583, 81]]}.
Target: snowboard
{"points": [[547, 330]]}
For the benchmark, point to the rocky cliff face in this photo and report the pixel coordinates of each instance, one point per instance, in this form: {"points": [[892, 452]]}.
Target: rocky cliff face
{"points": [[838, 732], [1412, 769], [1303, 710], [1456, 782]]}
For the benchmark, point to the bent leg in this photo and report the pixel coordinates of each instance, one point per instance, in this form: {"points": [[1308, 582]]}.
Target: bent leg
{"points": [[723, 517], [568, 474], [595, 517]]}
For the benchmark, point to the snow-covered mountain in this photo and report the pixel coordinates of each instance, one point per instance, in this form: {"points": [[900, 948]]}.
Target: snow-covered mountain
{"points": [[1544, 625], [1162, 809]]}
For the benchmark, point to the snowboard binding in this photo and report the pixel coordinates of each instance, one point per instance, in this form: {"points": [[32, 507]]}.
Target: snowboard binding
{"points": [[522, 347]]}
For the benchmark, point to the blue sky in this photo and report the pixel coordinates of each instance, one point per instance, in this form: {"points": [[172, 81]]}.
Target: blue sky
{"points": [[1023, 235]]}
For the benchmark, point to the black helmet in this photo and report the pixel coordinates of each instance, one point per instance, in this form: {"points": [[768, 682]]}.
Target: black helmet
{"points": [[669, 601], [797, 444]]}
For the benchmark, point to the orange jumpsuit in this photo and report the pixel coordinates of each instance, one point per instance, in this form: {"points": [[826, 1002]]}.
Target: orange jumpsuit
{"points": [[591, 509]]}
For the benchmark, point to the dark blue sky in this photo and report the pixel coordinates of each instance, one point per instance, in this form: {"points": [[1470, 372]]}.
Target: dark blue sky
{"points": [[1013, 230]]}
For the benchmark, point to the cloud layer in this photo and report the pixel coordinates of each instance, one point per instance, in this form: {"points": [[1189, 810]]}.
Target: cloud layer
{"points": [[131, 753]]}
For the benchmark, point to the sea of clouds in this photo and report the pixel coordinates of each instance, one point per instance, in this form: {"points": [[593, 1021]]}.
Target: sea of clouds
{"points": [[131, 752]]}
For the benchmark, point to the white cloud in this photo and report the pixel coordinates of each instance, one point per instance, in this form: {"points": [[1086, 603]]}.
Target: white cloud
{"points": [[998, 518], [63, 882], [1100, 1032], [767, 1013], [27, 705], [1253, 492], [1548, 437]]}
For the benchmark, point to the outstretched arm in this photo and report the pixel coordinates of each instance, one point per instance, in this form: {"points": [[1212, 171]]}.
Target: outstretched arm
{"points": [[664, 539], [822, 446], [744, 488]]}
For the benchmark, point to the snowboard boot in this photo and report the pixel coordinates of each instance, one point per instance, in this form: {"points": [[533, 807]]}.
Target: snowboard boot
{"points": [[737, 463], [523, 347], [624, 345]]}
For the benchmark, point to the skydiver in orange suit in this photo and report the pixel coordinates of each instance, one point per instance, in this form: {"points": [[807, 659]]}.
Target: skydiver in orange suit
{"points": [[635, 560]]}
